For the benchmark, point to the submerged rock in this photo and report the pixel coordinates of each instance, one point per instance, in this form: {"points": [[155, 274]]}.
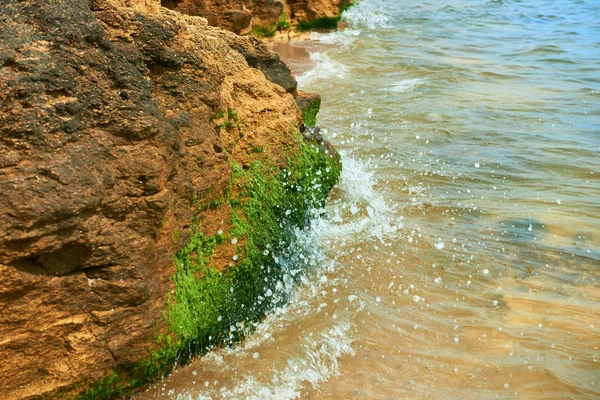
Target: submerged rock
{"points": [[114, 116]]}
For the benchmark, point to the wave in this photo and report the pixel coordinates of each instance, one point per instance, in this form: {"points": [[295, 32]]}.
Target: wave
{"points": [[543, 49], [344, 37], [317, 364], [325, 69], [405, 85], [367, 14]]}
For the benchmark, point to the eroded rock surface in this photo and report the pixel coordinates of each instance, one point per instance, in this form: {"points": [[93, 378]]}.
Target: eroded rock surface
{"points": [[240, 16], [309, 10], [231, 15], [105, 137]]}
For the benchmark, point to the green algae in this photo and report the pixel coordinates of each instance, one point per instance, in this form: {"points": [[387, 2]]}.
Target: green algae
{"points": [[309, 114], [231, 119], [322, 23], [264, 31], [211, 308], [282, 24]]}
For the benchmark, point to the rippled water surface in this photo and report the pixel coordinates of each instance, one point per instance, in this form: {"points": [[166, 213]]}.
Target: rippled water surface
{"points": [[460, 254]]}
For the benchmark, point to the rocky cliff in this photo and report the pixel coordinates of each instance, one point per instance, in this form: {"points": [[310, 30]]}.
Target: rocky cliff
{"points": [[133, 140], [263, 17]]}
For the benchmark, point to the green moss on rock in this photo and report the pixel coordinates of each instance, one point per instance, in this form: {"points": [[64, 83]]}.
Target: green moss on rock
{"points": [[309, 113], [211, 308], [282, 24], [323, 23]]}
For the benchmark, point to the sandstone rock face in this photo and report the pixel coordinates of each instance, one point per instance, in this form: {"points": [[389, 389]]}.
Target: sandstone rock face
{"points": [[240, 15], [105, 136], [231, 15], [266, 12], [309, 10]]}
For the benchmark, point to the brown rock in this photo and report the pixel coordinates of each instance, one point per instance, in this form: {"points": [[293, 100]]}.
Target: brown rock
{"points": [[306, 99], [239, 16], [265, 12], [230, 15], [258, 56], [309, 10], [105, 135]]}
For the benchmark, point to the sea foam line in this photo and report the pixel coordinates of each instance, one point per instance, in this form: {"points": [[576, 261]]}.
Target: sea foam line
{"points": [[318, 364]]}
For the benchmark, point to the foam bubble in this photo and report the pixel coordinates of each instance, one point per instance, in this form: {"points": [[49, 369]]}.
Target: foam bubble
{"points": [[343, 37], [372, 216], [325, 69], [367, 14], [317, 364]]}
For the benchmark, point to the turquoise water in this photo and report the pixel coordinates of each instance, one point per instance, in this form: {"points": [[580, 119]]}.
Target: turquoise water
{"points": [[459, 257]]}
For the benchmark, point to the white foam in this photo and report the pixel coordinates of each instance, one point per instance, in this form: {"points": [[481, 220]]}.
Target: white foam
{"points": [[318, 361], [317, 364], [363, 15], [343, 37], [369, 14], [325, 69], [405, 85], [362, 211]]}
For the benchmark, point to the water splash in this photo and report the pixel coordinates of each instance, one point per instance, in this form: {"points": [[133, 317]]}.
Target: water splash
{"points": [[362, 211], [343, 37], [318, 363], [367, 14], [325, 69]]}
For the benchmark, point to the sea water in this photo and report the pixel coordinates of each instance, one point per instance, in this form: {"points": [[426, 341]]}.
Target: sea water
{"points": [[459, 256]]}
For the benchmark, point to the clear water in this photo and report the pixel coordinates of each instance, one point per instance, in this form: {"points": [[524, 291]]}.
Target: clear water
{"points": [[460, 255]]}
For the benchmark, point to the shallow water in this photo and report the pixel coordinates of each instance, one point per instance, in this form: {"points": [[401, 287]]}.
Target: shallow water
{"points": [[460, 254]]}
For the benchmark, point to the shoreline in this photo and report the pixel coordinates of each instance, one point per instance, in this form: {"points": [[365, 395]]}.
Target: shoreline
{"points": [[297, 54]]}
